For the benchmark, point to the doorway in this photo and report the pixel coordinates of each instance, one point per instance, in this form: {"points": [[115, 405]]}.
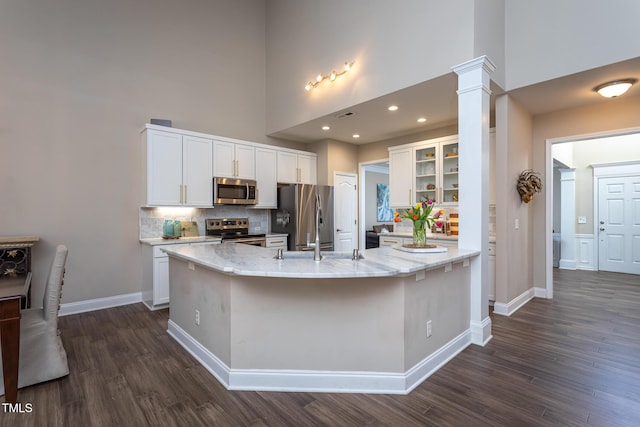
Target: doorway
{"points": [[617, 199], [585, 155], [371, 174]]}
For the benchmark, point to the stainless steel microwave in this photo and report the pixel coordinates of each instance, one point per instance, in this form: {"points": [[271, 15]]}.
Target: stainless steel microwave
{"points": [[231, 191]]}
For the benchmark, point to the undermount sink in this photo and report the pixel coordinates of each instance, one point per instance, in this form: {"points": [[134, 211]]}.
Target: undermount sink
{"points": [[327, 255]]}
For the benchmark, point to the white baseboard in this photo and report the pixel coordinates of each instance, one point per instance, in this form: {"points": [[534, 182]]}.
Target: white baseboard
{"points": [[512, 306], [99, 303], [481, 332], [319, 381], [540, 292]]}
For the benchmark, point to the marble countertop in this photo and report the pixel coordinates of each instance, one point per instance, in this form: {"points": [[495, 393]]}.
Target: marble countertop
{"points": [[247, 260], [430, 236], [183, 240], [197, 239]]}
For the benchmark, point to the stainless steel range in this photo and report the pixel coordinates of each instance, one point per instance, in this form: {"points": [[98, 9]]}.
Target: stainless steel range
{"points": [[234, 230]]}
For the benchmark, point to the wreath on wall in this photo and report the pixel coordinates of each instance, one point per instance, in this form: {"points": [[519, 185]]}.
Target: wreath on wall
{"points": [[529, 183]]}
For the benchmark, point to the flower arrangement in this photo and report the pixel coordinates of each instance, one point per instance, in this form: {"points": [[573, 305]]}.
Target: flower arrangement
{"points": [[422, 218]]}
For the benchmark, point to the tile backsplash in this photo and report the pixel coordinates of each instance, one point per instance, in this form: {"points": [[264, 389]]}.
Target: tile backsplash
{"points": [[151, 220]]}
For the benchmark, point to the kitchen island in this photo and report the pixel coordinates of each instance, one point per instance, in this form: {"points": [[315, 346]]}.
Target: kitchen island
{"points": [[381, 324]]}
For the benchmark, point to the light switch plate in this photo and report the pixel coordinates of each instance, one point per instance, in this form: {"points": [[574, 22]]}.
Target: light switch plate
{"points": [[582, 220]]}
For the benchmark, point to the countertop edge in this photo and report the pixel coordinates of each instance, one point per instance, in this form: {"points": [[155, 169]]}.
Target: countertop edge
{"points": [[380, 262]]}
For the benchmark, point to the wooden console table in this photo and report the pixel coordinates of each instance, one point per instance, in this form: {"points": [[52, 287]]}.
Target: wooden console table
{"points": [[10, 294]]}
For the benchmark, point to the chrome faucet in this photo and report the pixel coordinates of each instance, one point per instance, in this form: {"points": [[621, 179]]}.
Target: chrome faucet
{"points": [[317, 256]]}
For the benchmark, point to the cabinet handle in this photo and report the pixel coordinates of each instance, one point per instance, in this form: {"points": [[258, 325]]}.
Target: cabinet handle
{"points": [[273, 242], [409, 195], [180, 193], [185, 194]]}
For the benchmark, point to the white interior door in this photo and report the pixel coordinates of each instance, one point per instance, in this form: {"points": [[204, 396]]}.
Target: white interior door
{"points": [[619, 224], [345, 202]]}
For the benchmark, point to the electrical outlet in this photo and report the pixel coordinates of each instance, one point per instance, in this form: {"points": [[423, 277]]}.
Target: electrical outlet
{"points": [[429, 331], [516, 224], [582, 220], [197, 317]]}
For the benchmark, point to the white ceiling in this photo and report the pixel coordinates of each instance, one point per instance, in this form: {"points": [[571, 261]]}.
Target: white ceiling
{"points": [[437, 101]]}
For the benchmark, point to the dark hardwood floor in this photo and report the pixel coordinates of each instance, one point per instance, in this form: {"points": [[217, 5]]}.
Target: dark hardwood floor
{"points": [[570, 361]]}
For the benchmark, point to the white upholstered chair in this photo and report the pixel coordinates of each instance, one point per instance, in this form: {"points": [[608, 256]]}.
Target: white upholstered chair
{"points": [[42, 356]]}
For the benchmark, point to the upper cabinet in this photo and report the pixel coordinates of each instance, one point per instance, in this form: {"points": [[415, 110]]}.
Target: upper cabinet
{"points": [[179, 169], [400, 177], [234, 160], [266, 178], [181, 164], [297, 167], [424, 170]]}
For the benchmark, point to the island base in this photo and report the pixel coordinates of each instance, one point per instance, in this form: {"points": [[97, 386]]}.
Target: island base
{"points": [[357, 335]]}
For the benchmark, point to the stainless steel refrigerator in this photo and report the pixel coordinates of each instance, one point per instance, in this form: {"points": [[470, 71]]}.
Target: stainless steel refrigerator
{"points": [[296, 215]]}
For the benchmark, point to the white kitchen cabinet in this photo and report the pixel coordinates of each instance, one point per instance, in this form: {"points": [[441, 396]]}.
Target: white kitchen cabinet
{"points": [[267, 178], [424, 170], [294, 167], [155, 274], [276, 242], [307, 169], [234, 160], [400, 178], [179, 169], [155, 277]]}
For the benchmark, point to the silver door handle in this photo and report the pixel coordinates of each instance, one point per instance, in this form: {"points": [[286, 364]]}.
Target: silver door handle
{"points": [[338, 229], [601, 228]]}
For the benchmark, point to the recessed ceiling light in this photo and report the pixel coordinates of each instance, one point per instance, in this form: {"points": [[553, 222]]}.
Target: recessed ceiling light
{"points": [[325, 127], [355, 135], [392, 108], [422, 120]]}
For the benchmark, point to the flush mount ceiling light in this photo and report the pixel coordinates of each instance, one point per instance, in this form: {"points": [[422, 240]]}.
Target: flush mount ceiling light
{"points": [[422, 120], [325, 127], [331, 76], [355, 136], [393, 108], [614, 88]]}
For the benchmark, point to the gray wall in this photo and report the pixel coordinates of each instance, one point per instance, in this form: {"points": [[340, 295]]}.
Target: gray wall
{"points": [[78, 81], [372, 179]]}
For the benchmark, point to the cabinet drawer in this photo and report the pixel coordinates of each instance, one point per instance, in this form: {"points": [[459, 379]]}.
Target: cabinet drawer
{"points": [[389, 241], [276, 242]]}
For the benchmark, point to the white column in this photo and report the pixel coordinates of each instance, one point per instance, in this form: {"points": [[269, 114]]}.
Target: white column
{"points": [[473, 205], [567, 215]]}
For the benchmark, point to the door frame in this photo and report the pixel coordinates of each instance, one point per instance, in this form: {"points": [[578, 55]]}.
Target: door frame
{"points": [[549, 194], [607, 170]]}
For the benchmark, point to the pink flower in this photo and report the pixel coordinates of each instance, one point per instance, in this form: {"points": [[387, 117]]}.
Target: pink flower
{"points": [[429, 202], [437, 214], [439, 224]]}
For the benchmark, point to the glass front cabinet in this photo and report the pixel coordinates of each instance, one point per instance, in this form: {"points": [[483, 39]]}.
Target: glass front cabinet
{"points": [[434, 172]]}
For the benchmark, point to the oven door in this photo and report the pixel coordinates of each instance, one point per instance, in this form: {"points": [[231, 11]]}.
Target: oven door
{"points": [[228, 191]]}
